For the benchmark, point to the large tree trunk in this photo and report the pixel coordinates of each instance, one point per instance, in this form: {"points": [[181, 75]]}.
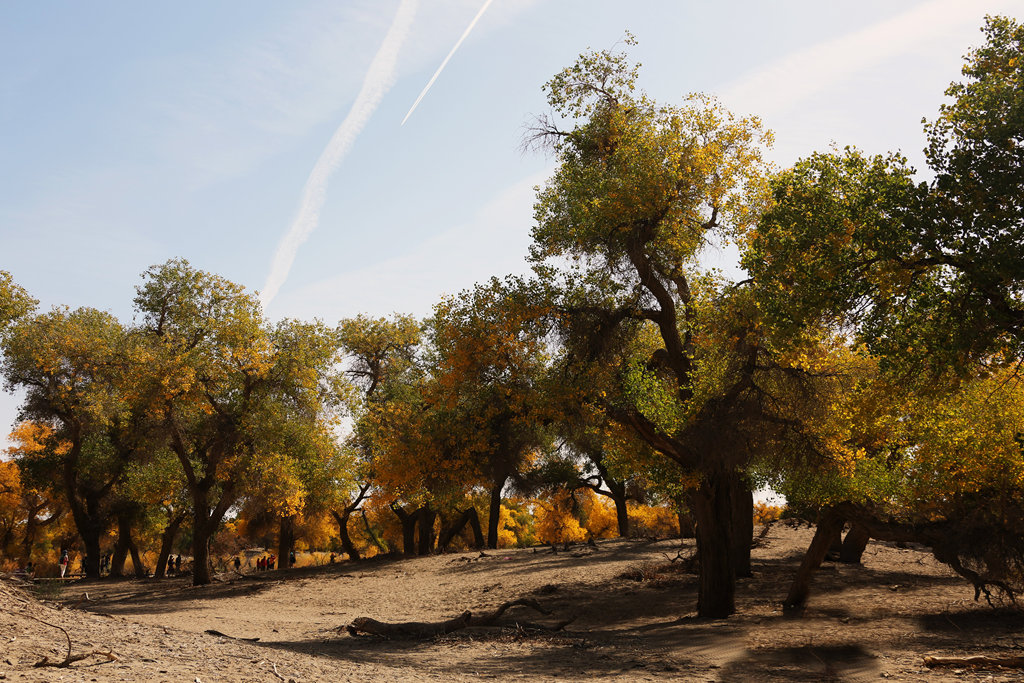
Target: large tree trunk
{"points": [[117, 560], [124, 546], [425, 521], [166, 543], [91, 540], [685, 521], [743, 523], [285, 541], [621, 514], [90, 525], [617, 492], [468, 516], [829, 523], [713, 508], [494, 513], [854, 544], [201, 534], [206, 519], [342, 518], [408, 520], [347, 546], [137, 565]]}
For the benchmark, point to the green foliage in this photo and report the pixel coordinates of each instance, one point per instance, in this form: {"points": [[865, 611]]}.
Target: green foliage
{"points": [[928, 275]]}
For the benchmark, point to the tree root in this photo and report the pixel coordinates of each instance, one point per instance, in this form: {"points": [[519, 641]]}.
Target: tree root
{"points": [[430, 629], [976, 662]]}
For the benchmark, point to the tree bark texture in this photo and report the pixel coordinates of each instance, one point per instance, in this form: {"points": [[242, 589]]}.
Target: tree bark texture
{"points": [[494, 514], [468, 516], [713, 509], [425, 518], [852, 549], [743, 523], [167, 543], [830, 522], [347, 546], [285, 541]]}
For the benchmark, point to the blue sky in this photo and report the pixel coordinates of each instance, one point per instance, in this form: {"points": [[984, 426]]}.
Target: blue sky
{"points": [[138, 132]]}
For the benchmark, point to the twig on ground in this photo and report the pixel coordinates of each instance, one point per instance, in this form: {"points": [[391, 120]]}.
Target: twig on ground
{"points": [[69, 659]]}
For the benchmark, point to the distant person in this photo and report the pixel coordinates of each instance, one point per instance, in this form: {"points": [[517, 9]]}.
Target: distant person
{"points": [[177, 565], [291, 559], [65, 560], [271, 562], [332, 558], [238, 563]]}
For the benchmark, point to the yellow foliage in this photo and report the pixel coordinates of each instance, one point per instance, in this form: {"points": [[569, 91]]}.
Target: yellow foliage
{"points": [[765, 513], [507, 527], [599, 514], [556, 522], [647, 520]]}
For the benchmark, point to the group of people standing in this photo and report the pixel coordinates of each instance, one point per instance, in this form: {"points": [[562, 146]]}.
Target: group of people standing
{"points": [[173, 565], [266, 563]]}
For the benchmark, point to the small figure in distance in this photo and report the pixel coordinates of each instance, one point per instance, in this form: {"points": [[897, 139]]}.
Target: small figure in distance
{"points": [[177, 565], [238, 563], [64, 561], [332, 558]]}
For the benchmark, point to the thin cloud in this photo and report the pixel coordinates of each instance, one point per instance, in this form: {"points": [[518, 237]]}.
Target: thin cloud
{"points": [[437, 73], [786, 83], [378, 80]]}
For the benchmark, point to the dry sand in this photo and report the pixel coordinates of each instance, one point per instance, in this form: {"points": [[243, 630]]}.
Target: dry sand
{"points": [[634, 612]]}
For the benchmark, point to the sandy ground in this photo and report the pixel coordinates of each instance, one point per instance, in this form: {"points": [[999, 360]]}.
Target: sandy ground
{"points": [[634, 612]]}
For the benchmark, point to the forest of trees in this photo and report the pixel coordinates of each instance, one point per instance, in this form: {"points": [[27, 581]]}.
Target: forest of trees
{"points": [[868, 369]]}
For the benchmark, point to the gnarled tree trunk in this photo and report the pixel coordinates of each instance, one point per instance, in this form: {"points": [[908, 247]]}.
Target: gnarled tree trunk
{"points": [[408, 520], [854, 544], [126, 545], [166, 543], [468, 516], [285, 541], [743, 523], [830, 522], [713, 508], [425, 521], [494, 513], [347, 546]]}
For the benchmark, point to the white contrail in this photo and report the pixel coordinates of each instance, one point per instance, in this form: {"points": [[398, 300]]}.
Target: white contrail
{"points": [[378, 80], [487, 3]]}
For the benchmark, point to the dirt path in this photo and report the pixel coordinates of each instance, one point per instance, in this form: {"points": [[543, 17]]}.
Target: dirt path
{"points": [[634, 621]]}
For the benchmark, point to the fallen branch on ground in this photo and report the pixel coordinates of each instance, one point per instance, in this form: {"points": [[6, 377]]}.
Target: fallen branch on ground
{"points": [[69, 659], [214, 632], [976, 662], [430, 629]]}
